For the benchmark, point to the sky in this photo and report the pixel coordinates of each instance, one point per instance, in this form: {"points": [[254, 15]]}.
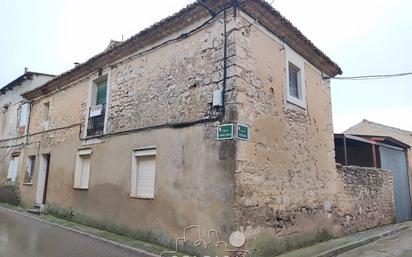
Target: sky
{"points": [[365, 37]]}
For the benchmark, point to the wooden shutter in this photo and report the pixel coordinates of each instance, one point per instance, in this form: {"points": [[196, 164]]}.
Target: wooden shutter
{"points": [[85, 171], [101, 93], [11, 171], [28, 177], [82, 171], [23, 115], [145, 177]]}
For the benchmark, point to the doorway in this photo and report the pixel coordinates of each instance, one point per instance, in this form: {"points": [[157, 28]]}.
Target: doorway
{"points": [[42, 179], [395, 161]]}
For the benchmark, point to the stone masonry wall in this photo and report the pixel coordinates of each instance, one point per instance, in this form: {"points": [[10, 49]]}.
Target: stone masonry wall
{"points": [[9, 194], [365, 198], [194, 171], [285, 175], [168, 86], [288, 191]]}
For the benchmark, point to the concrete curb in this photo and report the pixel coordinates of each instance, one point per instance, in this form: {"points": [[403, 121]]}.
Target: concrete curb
{"points": [[349, 246], [119, 245]]}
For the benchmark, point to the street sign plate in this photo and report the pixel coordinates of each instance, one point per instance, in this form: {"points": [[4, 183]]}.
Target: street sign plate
{"points": [[242, 132], [225, 131]]}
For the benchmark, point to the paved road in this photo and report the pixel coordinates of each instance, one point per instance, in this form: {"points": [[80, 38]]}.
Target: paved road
{"points": [[398, 245], [24, 237]]}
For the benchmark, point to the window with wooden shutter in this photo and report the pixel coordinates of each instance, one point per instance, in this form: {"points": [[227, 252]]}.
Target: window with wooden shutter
{"points": [[28, 177], [12, 171], [143, 174], [101, 92], [24, 109], [82, 172]]}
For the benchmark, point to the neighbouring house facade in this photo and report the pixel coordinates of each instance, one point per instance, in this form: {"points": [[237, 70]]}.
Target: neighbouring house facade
{"points": [[14, 118], [127, 141]]}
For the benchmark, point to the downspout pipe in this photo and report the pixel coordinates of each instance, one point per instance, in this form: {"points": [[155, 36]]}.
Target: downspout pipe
{"points": [[28, 123]]}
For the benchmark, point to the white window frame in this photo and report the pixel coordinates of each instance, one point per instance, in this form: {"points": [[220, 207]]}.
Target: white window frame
{"points": [[79, 175], [137, 153], [299, 62], [106, 75]]}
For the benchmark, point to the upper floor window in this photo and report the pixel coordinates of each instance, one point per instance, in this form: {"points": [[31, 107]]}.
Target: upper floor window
{"points": [[23, 115], [101, 92], [97, 111], [295, 79], [46, 111]]}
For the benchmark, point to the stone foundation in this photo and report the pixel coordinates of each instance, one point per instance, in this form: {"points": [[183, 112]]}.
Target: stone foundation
{"points": [[9, 194], [363, 200], [366, 198]]}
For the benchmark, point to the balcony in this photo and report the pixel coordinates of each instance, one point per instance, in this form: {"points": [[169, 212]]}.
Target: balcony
{"points": [[95, 124]]}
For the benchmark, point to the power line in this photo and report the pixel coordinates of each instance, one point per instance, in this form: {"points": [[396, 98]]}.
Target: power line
{"points": [[369, 77]]}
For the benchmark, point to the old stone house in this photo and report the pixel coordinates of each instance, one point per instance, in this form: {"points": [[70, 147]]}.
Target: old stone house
{"points": [[14, 117], [127, 141]]}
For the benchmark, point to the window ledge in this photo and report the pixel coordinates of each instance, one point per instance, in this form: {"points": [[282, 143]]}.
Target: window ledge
{"points": [[141, 198], [296, 101], [80, 189], [92, 140]]}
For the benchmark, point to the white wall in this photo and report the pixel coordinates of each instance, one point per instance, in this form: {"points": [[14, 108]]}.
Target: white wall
{"points": [[9, 117]]}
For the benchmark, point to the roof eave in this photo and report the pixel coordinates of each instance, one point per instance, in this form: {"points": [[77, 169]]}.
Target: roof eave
{"points": [[277, 24], [18, 81]]}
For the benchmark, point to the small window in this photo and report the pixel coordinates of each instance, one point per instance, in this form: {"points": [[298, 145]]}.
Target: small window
{"points": [[294, 88], [46, 111], [28, 176], [143, 174], [295, 78], [82, 172]]}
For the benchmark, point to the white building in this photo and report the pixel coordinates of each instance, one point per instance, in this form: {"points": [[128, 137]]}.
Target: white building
{"points": [[14, 120]]}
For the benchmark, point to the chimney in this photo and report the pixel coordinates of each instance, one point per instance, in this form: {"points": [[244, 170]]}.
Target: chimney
{"points": [[26, 69], [76, 64]]}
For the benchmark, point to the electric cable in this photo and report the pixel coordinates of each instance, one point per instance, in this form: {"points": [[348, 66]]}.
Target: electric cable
{"points": [[370, 77]]}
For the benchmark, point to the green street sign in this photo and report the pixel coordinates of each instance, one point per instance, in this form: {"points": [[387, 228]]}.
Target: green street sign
{"points": [[225, 131], [242, 132]]}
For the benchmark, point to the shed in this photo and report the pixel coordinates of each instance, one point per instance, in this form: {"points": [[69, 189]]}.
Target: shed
{"points": [[380, 152]]}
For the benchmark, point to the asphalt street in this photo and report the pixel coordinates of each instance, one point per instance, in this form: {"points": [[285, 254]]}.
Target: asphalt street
{"points": [[22, 236]]}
